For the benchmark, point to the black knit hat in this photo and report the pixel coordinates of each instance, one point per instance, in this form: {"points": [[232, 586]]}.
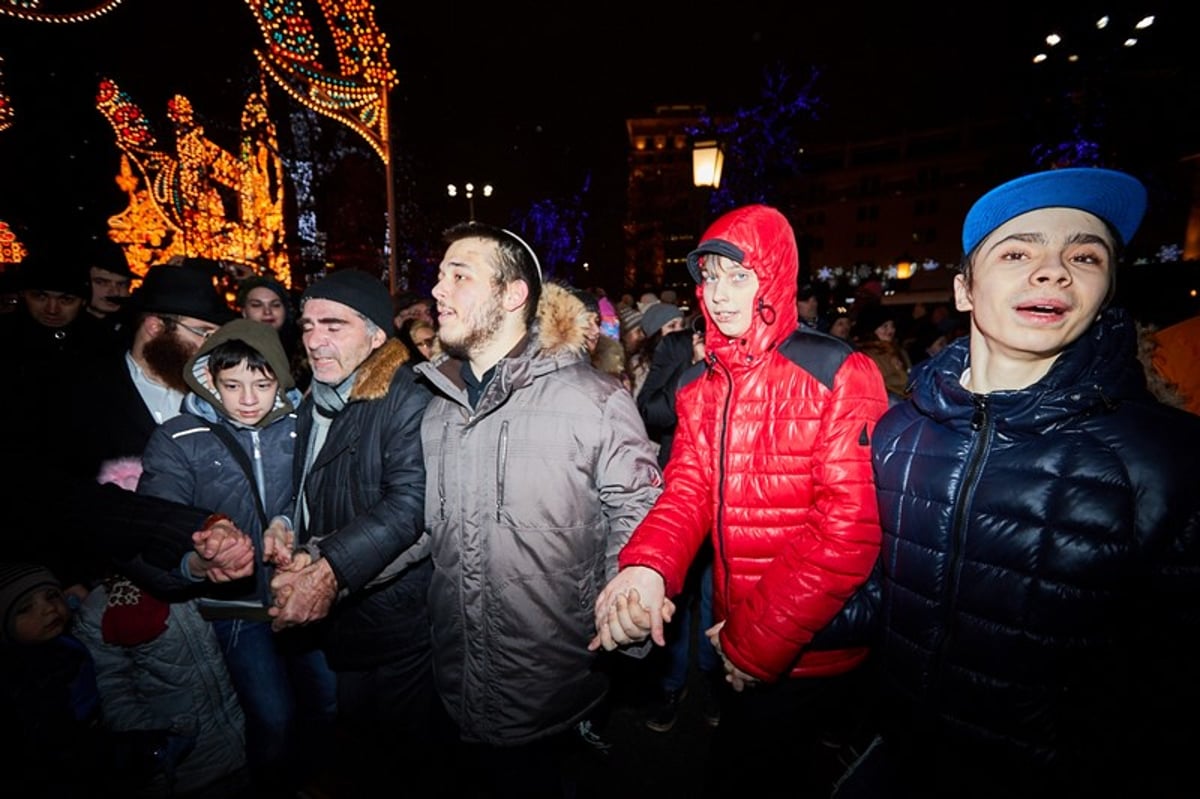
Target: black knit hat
{"points": [[868, 318], [262, 282], [358, 290], [104, 253], [42, 273], [590, 301], [17, 580]]}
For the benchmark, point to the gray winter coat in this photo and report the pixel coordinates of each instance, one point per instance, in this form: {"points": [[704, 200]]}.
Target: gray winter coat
{"points": [[529, 498], [178, 681]]}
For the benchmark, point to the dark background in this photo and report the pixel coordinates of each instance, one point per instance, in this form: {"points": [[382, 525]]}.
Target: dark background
{"points": [[533, 96]]}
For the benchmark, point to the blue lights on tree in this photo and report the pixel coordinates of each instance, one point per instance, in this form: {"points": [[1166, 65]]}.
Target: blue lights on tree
{"points": [[762, 142], [554, 227]]}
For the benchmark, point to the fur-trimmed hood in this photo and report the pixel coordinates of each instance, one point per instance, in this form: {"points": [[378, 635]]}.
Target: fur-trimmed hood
{"points": [[609, 358], [561, 322]]}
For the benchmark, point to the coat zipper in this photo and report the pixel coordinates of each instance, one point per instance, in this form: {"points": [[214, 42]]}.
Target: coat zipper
{"points": [[442, 473], [723, 429], [501, 463], [981, 425]]}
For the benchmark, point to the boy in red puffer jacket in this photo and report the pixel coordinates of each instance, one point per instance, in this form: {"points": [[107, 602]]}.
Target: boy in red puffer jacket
{"points": [[772, 458]]}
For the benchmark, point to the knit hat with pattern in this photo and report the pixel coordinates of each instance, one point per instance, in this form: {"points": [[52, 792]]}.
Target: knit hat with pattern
{"points": [[630, 318], [16, 581]]}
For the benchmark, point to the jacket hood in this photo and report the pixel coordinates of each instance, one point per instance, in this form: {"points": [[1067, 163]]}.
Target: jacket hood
{"points": [[609, 357], [760, 238], [262, 338], [561, 322]]}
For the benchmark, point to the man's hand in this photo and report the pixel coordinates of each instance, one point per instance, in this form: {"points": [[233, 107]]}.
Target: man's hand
{"points": [[223, 552], [737, 678], [303, 594], [278, 543], [631, 607]]}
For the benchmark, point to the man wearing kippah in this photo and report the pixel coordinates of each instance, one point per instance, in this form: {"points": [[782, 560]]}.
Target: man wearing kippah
{"points": [[538, 470], [1041, 527], [362, 567]]}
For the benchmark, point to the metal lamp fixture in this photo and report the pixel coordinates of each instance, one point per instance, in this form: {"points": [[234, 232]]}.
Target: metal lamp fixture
{"points": [[707, 162]]}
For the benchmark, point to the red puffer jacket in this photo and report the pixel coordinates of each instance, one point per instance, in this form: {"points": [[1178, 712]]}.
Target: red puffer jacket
{"points": [[772, 455]]}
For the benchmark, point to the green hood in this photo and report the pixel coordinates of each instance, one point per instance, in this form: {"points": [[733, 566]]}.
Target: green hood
{"points": [[261, 337]]}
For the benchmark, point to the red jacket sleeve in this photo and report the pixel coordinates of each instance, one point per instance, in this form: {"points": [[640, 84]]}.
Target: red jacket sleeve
{"points": [[671, 534]]}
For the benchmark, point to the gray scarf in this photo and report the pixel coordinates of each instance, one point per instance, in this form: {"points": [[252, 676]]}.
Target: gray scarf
{"points": [[328, 401]]}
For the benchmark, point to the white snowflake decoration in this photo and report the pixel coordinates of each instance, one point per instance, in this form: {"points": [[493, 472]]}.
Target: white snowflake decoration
{"points": [[1169, 253]]}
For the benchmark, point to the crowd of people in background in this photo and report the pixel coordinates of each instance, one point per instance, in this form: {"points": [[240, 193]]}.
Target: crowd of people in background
{"points": [[315, 542]]}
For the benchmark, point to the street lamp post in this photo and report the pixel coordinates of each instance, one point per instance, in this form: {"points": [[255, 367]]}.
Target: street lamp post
{"points": [[469, 193]]}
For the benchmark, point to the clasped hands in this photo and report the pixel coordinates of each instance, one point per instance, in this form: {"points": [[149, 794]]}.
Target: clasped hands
{"points": [[634, 606], [303, 589], [222, 552]]}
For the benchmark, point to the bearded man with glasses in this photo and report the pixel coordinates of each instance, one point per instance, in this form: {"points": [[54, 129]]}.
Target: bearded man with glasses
{"points": [[124, 397]]}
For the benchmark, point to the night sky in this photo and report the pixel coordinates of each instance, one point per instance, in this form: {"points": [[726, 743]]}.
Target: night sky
{"points": [[532, 97]]}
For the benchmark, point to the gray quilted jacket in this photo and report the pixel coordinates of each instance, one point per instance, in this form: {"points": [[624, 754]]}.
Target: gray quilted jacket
{"points": [[177, 681], [529, 498]]}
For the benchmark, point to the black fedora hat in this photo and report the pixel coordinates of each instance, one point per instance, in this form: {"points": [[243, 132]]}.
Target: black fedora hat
{"points": [[181, 291]]}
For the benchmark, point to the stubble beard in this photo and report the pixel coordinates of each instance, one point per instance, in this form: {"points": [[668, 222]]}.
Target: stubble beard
{"points": [[482, 326]]}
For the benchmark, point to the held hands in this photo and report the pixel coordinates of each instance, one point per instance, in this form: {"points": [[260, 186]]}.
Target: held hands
{"points": [[278, 543], [632, 607], [223, 552], [304, 592], [737, 678]]}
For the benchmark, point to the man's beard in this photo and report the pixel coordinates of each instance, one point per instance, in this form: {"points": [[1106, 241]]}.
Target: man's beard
{"points": [[482, 326], [166, 356]]}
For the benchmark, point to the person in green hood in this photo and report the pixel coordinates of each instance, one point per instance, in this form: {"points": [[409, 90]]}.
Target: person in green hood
{"points": [[232, 450]]}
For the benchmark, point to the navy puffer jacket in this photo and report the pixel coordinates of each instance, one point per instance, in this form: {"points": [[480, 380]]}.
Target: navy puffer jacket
{"points": [[1041, 570]]}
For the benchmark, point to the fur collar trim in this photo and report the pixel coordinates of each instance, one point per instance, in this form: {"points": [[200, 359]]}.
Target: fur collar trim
{"points": [[376, 372], [561, 321]]}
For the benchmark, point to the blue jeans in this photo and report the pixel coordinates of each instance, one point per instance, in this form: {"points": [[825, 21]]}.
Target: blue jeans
{"points": [[680, 631], [288, 694]]}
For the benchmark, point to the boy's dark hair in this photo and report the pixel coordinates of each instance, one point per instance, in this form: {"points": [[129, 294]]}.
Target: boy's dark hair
{"points": [[232, 353]]}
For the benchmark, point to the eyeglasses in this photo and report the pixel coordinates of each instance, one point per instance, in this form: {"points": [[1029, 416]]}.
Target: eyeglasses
{"points": [[195, 331]]}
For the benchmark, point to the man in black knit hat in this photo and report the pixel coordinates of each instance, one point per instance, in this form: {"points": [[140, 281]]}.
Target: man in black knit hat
{"points": [[362, 568]]}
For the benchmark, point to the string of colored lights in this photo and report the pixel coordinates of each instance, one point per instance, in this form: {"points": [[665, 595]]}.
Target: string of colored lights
{"points": [[179, 211], [6, 107], [29, 10], [11, 249], [356, 94]]}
